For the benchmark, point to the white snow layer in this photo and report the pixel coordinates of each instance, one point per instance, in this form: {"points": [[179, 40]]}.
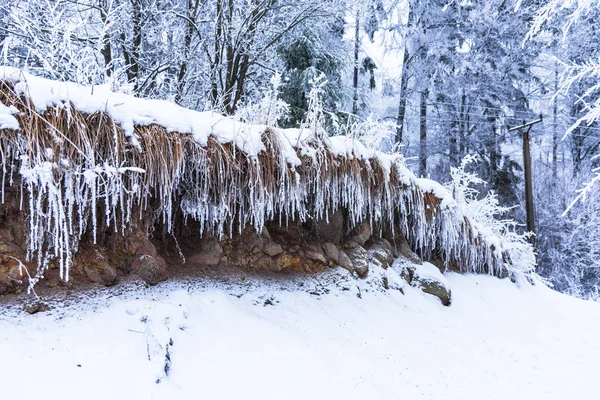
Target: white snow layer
{"points": [[496, 341], [130, 111], [7, 121], [428, 271]]}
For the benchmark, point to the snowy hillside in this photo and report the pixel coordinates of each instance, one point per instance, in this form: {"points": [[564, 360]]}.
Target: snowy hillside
{"points": [[326, 338]]}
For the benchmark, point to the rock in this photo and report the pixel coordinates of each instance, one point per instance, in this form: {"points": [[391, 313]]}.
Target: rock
{"points": [[11, 275], [151, 269], [5, 283], [331, 251], [362, 233], [210, 253], [15, 270], [272, 249], [345, 262], [381, 251], [99, 271], [138, 244], [92, 263], [315, 254], [405, 270], [332, 229], [7, 243], [263, 262], [286, 261], [384, 244], [430, 280], [406, 251], [437, 289], [360, 260], [265, 233], [289, 234], [350, 244], [36, 308]]}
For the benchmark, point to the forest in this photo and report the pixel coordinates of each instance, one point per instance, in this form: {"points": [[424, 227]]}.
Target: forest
{"points": [[439, 82]]}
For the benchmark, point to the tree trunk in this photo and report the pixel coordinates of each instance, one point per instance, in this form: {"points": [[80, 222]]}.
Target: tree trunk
{"points": [[403, 97], [464, 127], [216, 62], [453, 142], [423, 135], [192, 7], [106, 47], [356, 53], [132, 55]]}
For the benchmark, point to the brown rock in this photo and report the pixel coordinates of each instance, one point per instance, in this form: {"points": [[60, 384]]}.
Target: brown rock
{"points": [[151, 269], [331, 251], [360, 260], [264, 262], [138, 244], [290, 262], [315, 254], [36, 308], [436, 289], [100, 271], [406, 251], [362, 233], [332, 228], [430, 280], [350, 244], [272, 249], [13, 267], [404, 269], [210, 253], [345, 262], [265, 233], [94, 265], [381, 251], [5, 283]]}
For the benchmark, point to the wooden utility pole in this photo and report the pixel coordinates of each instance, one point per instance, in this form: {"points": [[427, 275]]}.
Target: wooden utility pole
{"points": [[423, 135], [356, 53], [525, 129]]}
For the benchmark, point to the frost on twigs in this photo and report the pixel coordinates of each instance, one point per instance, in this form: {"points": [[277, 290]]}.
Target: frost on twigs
{"points": [[487, 216], [84, 173]]}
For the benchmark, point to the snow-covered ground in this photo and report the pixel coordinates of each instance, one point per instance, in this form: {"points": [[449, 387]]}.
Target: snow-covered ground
{"points": [[350, 340]]}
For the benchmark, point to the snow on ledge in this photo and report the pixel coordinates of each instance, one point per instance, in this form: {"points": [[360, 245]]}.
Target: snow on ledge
{"points": [[7, 121], [129, 111]]}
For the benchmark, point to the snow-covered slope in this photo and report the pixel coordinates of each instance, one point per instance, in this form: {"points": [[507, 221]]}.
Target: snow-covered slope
{"points": [[272, 340]]}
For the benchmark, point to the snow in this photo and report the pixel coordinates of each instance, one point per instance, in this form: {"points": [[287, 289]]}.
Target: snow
{"points": [[428, 271], [497, 340], [7, 121], [437, 189], [129, 111], [350, 148]]}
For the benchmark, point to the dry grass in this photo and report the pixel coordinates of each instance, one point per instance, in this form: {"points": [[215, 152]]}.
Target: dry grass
{"points": [[221, 187]]}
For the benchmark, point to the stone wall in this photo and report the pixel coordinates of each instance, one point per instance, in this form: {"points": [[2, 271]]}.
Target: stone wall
{"points": [[149, 254]]}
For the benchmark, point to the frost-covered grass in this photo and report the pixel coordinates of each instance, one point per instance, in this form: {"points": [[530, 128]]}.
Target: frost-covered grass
{"points": [[88, 160], [496, 341]]}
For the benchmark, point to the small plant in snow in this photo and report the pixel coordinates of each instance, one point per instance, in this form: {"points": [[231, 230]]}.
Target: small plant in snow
{"points": [[269, 110], [315, 117], [486, 215], [375, 134]]}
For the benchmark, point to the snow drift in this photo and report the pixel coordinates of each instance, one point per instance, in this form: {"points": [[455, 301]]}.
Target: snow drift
{"points": [[268, 340]]}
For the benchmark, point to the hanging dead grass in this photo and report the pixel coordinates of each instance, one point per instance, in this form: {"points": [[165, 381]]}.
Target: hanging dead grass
{"points": [[78, 170]]}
